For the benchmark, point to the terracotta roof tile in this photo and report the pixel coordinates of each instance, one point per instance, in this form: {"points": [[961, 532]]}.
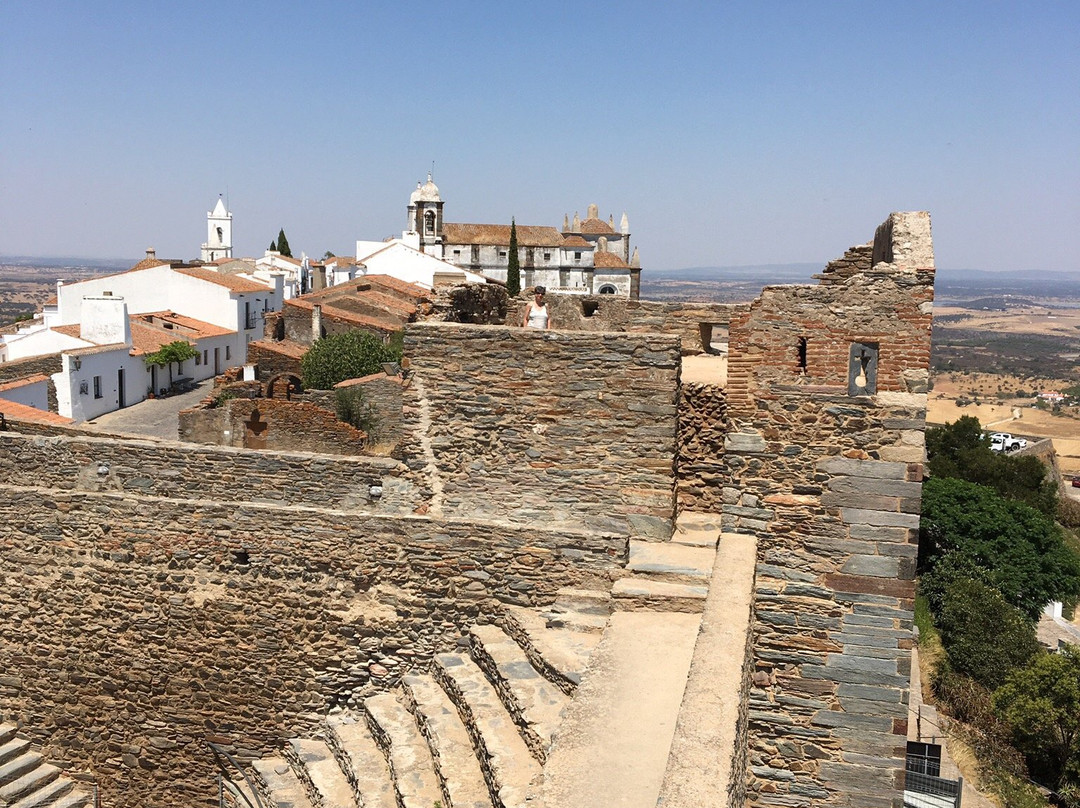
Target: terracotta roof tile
{"points": [[382, 324], [71, 330], [597, 227], [576, 241], [398, 285], [286, 347], [499, 235], [95, 349], [233, 283], [609, 259], [200, 329], [369, 378], [21, 412], [35, 379], [146, 263]]}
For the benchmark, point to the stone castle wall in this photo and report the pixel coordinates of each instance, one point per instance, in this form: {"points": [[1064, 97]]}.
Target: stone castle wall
{"points": [[549, 428], [701, 469], [828, 476]]}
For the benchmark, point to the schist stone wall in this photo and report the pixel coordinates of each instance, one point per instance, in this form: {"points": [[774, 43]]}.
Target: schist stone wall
{"points": [[156, 595], [697, 324], [559, 429], [826, 404], [32, 366]]}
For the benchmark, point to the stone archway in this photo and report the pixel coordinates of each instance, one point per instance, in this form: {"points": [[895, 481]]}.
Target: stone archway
{"points": [[283, 385]]}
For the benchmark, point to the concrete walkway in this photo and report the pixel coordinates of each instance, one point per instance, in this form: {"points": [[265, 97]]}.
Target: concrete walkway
{"points": [[153, 418]]}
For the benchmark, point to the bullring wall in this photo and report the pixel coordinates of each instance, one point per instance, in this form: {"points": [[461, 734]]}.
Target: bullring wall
{"points": [[136, 625], [560, 429]]}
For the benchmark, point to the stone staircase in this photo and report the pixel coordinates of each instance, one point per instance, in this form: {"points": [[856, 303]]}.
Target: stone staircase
{"points": [[27, 781], [474, 732], [574, 704]]}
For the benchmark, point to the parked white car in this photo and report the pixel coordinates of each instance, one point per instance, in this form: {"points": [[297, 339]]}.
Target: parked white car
{"points": [[1004, 442]]}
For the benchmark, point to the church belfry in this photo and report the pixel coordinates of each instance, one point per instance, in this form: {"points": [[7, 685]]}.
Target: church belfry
{"points": [[218, 233], [426, 216]]}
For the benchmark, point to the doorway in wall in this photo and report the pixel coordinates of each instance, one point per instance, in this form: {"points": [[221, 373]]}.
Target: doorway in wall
{"points": [[120, 389]]}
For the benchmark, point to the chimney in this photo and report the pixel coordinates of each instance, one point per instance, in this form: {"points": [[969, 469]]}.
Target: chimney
{"points": [[316, 322], [151, 252]]}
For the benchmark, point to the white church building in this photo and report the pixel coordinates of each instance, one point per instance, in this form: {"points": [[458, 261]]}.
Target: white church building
{"points": [[589, 256]]}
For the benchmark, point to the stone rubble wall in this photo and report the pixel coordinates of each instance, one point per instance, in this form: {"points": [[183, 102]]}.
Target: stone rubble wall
{"points": [[190, 472], [271, 361], [137, 625], [831, 485], [556, 429], [608, 313], [701, 470], [290, 426]]}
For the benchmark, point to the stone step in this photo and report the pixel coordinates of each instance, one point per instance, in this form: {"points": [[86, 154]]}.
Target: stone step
{"points": [[13, 749], [47, 795], [36, 778], [645, 594], [583, 601], [534, 702], [364, 763], [280, 785], [7, 732], [575, 621], [411, 764], [19, 765], [75, 799], [561, 654], [697, 529], [508, 765], [455, 759], [666, 561], [613, 746], [316, 761]]}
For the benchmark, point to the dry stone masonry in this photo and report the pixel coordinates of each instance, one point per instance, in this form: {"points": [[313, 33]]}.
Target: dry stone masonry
{"points": [[582, 581]]}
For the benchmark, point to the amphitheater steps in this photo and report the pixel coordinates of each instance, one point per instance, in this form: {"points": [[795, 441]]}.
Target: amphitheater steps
{"points": [[279, 783], [561, 654], [361, 760], [509, 766], [411, 762], [535, 704], [27, 781], [455, 761], [318, 770]]}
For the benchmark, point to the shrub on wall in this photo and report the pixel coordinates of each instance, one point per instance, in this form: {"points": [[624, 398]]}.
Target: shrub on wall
{"points": [[353, 408], [344, 356]]}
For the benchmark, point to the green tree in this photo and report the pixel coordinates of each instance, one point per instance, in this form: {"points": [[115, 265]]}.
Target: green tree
{"points": [[960, 449], [283, 243], [513, 267], [984, 637], [1021, 551], [344, 356], [273, 246], [1041, 703], [178, 351]]}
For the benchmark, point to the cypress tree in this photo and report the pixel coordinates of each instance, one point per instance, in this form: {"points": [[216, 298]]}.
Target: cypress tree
{"points": [[283, 244], [273, 246], [513, 268]]}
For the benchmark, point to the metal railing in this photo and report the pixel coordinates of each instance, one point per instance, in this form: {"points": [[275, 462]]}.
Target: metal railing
{"points": [[238, 798], [926, 790]]}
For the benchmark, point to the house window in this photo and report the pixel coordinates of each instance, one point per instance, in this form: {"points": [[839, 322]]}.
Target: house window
{"points": [[476, 253], [205, 357], [457, 253], [228, 352], [502, 253], [577, 256], [198, 359], [547, 256], [97, 387]]}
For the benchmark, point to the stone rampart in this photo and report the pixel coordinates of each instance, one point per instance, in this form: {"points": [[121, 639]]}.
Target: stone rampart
{"points": [[558, 429], [826, 404]]}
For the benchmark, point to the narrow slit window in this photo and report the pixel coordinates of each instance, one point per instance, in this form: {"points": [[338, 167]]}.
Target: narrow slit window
{"points": [[802, 354]]}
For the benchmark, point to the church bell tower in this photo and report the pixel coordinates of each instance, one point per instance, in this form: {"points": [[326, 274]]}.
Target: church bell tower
{"points": [[218, 233]]}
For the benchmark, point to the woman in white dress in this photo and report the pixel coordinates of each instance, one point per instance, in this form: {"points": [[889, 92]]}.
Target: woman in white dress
{"points": [[536, 313]]}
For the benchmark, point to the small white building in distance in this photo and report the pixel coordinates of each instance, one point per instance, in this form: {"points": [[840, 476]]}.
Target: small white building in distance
{"points": [[218, 234], [588, 257]]}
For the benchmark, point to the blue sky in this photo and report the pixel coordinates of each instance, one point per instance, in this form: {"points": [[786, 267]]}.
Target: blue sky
{"points": [[730, 133]]}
